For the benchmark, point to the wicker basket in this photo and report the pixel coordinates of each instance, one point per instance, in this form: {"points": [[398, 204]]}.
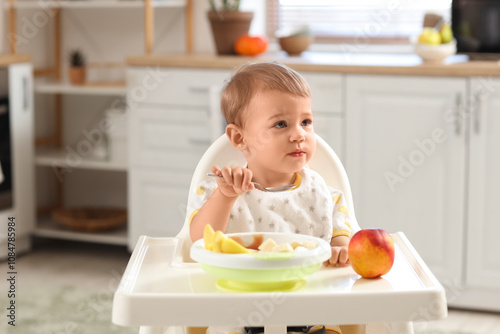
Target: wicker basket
{"points": [[88, 219]]}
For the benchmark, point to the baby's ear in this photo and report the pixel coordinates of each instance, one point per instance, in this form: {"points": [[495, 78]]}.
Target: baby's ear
{"points": [[235, 135]]}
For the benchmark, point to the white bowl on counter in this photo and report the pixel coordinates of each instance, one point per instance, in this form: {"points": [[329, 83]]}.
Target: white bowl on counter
{"points": [[434, 53]]}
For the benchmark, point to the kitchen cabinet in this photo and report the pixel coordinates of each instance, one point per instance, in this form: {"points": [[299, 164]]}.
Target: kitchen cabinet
{"points": [[174, 116], [16, 83], [483, 211], [420, 158]]}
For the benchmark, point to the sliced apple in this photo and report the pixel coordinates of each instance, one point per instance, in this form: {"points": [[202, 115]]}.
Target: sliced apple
{"points": [[218, 238], [230, 246], [209, 237]]}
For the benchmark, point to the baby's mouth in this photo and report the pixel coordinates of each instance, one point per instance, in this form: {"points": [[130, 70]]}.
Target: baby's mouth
{"points": [[297, 153]]}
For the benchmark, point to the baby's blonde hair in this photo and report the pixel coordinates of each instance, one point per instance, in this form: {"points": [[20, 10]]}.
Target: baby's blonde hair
{"points": [[250, 79]]}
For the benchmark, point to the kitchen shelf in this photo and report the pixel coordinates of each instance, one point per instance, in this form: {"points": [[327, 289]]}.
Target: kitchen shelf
{"points": [[51, 157], [103, 4], [64, 88], [48, 228]]}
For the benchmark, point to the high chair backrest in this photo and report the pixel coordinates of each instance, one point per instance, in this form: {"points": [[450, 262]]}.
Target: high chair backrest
{"points": [[222, 153]]}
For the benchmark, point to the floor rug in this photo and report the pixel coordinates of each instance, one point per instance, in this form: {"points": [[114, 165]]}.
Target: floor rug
{"points": [[72, 310], [60, 310]]}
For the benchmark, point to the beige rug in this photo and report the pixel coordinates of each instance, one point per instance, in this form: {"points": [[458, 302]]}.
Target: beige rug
{"points": [[71, 310], [61, 310]]}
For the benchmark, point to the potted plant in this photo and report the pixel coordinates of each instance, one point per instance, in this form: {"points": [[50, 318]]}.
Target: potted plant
{"points": [[76, 67], [228, 23]]}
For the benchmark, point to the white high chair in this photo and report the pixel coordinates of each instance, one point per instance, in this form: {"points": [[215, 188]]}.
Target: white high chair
{"points": [[325, 161], [163, 291]]}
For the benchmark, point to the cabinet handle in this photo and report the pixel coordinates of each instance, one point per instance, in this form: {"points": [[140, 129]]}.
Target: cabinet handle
{"points": [[458, 107], [198, 141], [25, 94], [477, 111]]}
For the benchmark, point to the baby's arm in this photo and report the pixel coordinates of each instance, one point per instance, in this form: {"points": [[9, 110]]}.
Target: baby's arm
{"points": [[216, 210], [341, 230]]}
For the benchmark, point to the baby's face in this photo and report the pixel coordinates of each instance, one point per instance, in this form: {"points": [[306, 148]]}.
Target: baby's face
{"points": [[278, 131]]}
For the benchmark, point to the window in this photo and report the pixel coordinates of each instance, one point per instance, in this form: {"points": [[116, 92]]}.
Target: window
{"points": [[381, 21]]}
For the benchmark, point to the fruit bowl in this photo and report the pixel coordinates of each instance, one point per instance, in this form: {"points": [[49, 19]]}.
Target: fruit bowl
{"points": [[434, 52], [295, 45], [263, 271]]}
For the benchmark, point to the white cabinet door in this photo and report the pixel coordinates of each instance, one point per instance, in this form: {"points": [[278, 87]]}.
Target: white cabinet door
{"points": [[157, 203], [330, 127], [483, 248], [21, 121], [405, 156]]}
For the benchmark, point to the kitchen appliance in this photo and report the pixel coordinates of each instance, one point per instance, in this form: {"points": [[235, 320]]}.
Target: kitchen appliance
{"points": [[476, 26], [5, 156]]}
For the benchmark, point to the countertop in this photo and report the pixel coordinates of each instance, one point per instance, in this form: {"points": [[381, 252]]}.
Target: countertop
{"points": [[8, 59], [385, 64]]}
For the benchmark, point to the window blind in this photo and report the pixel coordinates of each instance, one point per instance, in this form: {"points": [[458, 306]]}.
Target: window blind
{"points": [[329, 20]]}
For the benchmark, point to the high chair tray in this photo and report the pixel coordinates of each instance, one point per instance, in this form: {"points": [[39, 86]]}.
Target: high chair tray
{"points": [[157, 289]]}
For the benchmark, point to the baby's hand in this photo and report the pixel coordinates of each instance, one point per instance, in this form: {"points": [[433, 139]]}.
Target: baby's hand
{"points": [[235, 180], [339, 257]]}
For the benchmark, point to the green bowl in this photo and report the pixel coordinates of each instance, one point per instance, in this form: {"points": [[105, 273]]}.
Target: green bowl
{"points": [[263, 271]]}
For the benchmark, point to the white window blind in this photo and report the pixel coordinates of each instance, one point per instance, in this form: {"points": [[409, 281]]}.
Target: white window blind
{"points": [[347, 19]]}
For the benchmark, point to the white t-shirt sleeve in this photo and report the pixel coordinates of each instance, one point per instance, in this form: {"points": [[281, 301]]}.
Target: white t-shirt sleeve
{"points": [[201, 195], [343, 221]]}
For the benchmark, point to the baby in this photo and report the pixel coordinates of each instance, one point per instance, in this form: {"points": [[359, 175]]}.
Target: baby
{"points": [[267, 107]]}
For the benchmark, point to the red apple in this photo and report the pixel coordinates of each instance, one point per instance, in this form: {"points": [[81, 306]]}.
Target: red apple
{"points": [[371, 252]]}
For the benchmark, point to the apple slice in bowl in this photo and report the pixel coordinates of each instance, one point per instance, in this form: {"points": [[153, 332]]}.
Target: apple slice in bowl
{"points": [[263, 271]]}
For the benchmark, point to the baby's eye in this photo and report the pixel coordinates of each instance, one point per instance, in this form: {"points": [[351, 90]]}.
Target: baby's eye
{"points": [[306, 122], [280, 125]]}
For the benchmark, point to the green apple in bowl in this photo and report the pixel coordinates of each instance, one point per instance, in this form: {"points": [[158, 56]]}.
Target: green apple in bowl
{"points": [[430, 36], [446, 33]]}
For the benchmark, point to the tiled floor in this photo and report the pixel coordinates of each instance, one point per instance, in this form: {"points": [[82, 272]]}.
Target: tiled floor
{"points": [[99, 267]]}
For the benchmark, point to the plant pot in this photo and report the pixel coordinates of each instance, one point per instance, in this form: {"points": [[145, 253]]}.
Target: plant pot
{"points": [[227, 26], [77, 75]]}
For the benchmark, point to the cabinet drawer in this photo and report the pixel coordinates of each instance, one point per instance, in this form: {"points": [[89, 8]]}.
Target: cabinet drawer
{"points": [[326, 91], [173, 138], [172, 86]]}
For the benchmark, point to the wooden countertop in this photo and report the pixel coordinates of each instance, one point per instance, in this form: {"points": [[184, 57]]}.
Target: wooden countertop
{"points": [[7, 59], [385, 64]]}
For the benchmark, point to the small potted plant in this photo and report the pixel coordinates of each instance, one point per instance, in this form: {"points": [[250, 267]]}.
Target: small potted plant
{"points": [[228, 23], [76, 67]]}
